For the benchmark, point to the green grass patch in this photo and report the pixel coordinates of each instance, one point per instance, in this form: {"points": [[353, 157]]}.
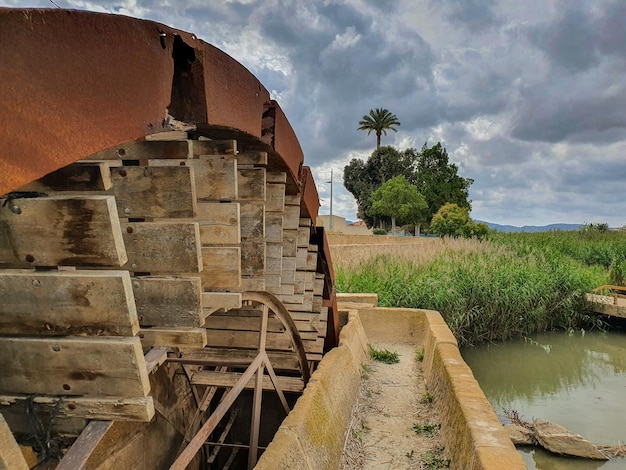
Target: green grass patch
{"points": [[427, 428], [383, 355], [512, 286], [419, 354]]}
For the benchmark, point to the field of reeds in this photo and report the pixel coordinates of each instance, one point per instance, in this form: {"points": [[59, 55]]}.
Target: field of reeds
{"points": [[510, 285]]}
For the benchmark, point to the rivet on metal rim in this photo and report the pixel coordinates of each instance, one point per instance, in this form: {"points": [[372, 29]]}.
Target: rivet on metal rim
{"points": [[16, 210]]}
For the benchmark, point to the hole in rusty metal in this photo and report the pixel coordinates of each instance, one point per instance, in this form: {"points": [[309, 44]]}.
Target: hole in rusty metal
{"points": [[162, 36]]}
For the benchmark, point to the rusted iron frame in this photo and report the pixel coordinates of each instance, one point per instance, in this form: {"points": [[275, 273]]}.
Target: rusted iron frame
{"points": [[201, 436], [220, 442], [258, 393]]}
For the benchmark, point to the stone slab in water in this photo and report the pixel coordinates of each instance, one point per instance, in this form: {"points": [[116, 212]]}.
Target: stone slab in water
{"points": [[559, 440]]}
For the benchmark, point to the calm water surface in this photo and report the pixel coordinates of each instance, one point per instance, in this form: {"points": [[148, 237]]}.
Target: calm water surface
{"points": [[575, 380]]}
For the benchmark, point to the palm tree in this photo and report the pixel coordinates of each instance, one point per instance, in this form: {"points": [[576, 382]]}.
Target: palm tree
{"points": [[379, 120]]}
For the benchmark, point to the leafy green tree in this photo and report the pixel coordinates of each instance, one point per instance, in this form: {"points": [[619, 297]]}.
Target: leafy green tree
{"points": [[438, 179], [429, 169], [399, 199], [363, 178], [378, 120], [454, 221]]}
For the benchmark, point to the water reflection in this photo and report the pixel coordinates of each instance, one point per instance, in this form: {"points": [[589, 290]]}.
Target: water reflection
{"points": [[576, 380]]}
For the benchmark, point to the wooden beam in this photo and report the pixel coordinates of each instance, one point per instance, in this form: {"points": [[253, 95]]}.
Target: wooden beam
{"points": [[80, 176], [90, 367], [251, 183], [143, 150], [168, 301], [154, 191], [61, 230], [11, 457], [101, 408], [77, 456], [229, 379], [219, 223], [225, 300], [214, 147], [221, 267], [163, 247], [67, 303], [211, 356], [156, 357], [216, 178], [191, 337]]}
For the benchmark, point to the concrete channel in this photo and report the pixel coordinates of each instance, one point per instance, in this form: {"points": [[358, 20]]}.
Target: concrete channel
{"points": [[312, 436]]}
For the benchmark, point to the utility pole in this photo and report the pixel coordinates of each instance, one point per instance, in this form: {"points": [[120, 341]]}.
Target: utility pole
{"points": [[330, 225]]}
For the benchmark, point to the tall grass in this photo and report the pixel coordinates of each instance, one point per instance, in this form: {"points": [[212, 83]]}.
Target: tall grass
{"points": [[485, 290]]}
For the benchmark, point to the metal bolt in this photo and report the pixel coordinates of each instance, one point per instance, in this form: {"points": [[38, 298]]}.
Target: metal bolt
{"points": [[136, 284], [36, 283], [30, 258], [122, 172], [56, 347], [66, 387], [147, 172], [134, 265], [16, 210], [129, 229], [127, 210]]}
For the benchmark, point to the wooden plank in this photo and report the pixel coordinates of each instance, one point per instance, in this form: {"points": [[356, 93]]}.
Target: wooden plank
{"points": [[274, 227], [219, 223], [213, 147], [301, 258], [67, 303], [247, 340], [251, 184], [61, 230], [210, 356], [256, 284], [289, 270], [73, 366], [156, 357], [168, 135], [304, 234], [100, 408], [143, 150], [252, 218], [300, 282], [221, 267], [79, 176], [225, 300], [11, 457], [168, 301], [291, 217], [241, 323], [274, 258], [229, 379], [283, 289], [154, 191], [279, 177], [162, 247], [216, 178], [78, 455], [272, 282], [174, 337], [253, 258], [275, 197], [290, 238], [311, 261], [251, 157], [292, 200]]}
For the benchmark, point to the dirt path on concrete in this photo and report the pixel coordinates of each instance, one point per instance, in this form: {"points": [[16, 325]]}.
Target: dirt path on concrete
{"points": [[393, 423]]}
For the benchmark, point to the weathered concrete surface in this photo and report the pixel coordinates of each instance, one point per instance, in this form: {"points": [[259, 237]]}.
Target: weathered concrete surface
{"points": [[559, 440], [470, 429], [312, 436]]}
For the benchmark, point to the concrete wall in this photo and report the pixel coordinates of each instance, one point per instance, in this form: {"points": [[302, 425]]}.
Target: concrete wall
{"points": [[312, 436], [339, 225]]}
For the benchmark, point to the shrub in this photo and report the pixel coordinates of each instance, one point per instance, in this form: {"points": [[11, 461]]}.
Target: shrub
{"points": [[379, 231]]}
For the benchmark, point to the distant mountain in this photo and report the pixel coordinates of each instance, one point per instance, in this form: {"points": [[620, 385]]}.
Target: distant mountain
{"points": [[530, 228]]}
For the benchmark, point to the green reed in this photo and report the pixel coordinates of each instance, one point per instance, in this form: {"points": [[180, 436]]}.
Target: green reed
{"points": [[493, 291]]}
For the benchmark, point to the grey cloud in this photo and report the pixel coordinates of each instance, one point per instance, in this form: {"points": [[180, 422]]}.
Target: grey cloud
{"points": [[475, 15]]}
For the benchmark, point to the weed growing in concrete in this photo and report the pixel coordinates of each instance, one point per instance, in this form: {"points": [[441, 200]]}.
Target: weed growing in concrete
{"points": [[419, 354], [433, 459], [384, 355], [427, 428], [427, 398], [409, 455], [365, 371]]}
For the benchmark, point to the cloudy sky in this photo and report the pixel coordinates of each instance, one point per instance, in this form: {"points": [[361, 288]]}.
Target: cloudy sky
{"points": [[528, 97]]}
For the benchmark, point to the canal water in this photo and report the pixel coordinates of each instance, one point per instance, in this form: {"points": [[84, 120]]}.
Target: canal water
{"points": [[577, 380]]}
